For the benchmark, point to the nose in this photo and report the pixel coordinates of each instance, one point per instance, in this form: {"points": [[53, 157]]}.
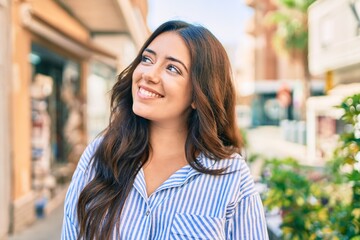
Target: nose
{"points": [[151, 75]]}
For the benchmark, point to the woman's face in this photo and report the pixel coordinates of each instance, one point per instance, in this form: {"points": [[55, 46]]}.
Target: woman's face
{"points": [[161, 87]]}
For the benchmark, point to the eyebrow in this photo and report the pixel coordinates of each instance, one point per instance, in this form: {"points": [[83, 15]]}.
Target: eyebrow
{"points": [[168, 58]]}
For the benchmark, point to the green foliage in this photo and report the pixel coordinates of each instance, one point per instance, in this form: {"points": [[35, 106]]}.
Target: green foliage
{"points": [[293, 193], [347, 154], [351, 107], [345, 169], [290, 20], [291, 32], [287, 181], [320, 204], [301, 5]]}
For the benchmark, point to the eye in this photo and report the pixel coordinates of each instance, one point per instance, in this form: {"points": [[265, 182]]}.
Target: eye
{"points": [[146, 59], [173, 69]]}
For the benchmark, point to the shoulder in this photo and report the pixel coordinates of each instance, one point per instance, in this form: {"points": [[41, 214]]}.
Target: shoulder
{"points": [[234, 163], [237, 170], [83, 174], [84, 171], [85, 159]]}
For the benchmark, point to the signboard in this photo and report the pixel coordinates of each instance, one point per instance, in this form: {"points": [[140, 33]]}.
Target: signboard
{"points": [[334, 35]]}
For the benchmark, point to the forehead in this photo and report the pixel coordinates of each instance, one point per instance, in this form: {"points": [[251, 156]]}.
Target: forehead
{"points": [[170, 44]]}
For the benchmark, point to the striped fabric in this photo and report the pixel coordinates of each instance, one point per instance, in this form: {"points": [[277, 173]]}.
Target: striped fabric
{"points": [[189, 205]]}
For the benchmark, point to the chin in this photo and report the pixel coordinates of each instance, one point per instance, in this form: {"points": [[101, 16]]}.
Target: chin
{"points": [[140, 112]]}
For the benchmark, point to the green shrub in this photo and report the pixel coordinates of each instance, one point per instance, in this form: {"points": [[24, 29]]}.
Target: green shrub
{"points": [[320, 203]]}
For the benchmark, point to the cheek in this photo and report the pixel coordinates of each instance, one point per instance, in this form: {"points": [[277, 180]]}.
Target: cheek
{"points": [[189, 93], [135, 78], [136, 74]]}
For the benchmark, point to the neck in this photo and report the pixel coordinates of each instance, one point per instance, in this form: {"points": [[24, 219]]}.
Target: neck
{"points": [[167, 141]]}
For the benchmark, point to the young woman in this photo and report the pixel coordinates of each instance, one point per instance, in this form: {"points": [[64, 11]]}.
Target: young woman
{"points": [[167, 166]]}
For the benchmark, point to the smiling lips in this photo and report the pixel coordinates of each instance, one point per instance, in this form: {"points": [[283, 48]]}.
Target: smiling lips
{"points": [[148, 94]]}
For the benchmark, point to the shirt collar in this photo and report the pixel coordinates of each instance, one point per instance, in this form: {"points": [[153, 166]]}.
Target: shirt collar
{"points": [[183, 175], [177, 179]]}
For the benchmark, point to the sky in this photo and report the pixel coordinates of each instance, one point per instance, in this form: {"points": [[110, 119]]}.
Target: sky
{"points": [[224, 18]]}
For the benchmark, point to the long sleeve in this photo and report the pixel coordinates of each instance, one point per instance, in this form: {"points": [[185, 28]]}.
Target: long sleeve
{"points": [[248, 222], [70, 223], [69, 230], [81, 177]]}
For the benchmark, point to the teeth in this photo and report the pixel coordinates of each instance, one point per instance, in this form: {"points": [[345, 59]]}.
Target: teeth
{"points": [[148, 94]]}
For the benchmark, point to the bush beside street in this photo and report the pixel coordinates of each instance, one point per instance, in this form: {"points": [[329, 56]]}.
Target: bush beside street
{"points": [[319, 202]]}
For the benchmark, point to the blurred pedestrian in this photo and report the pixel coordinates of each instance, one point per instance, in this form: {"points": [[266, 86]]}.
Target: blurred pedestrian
{"points": [[167, 166]]}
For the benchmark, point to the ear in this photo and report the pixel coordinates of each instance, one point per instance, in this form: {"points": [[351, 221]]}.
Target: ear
{"points": [[193, 105]]}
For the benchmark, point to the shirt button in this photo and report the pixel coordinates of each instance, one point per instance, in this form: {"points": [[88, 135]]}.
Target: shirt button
{"points": [[147, 213]]}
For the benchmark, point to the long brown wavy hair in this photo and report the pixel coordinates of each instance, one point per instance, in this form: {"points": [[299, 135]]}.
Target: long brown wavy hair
{"points": [[125, 146]]}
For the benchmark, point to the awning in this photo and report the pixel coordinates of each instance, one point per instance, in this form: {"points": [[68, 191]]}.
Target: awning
{"points": [[83, 22]]}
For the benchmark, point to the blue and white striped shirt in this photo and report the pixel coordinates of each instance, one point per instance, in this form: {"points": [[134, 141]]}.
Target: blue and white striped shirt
{"points": [[189, 205]]}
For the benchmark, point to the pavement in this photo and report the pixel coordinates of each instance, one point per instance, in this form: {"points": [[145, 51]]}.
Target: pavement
{"points": [[269, 141], [47, 228]]}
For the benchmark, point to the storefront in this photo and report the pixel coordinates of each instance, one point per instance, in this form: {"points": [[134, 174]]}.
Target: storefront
{"points": [[334, 52], [56, 100]]}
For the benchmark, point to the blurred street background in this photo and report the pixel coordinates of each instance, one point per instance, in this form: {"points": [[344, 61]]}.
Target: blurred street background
{"points": [[293, 61]]}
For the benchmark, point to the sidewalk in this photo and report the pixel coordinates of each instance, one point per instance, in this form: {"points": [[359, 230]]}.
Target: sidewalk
{"points": [[267, 140], [47, 228]]}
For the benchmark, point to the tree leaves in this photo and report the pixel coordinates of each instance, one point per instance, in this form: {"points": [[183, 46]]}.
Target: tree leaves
{"points": [[291, 22]]}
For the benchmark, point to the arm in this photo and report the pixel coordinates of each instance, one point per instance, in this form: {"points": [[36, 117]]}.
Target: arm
{"points": [[69, 230], [70, 224], [81, 177], [248, 222]]}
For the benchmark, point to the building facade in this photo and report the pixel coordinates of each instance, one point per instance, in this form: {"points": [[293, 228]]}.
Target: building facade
{"points": [[60, 63], [274, 71], [265, 58], [5, 83], [334, 52]]}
